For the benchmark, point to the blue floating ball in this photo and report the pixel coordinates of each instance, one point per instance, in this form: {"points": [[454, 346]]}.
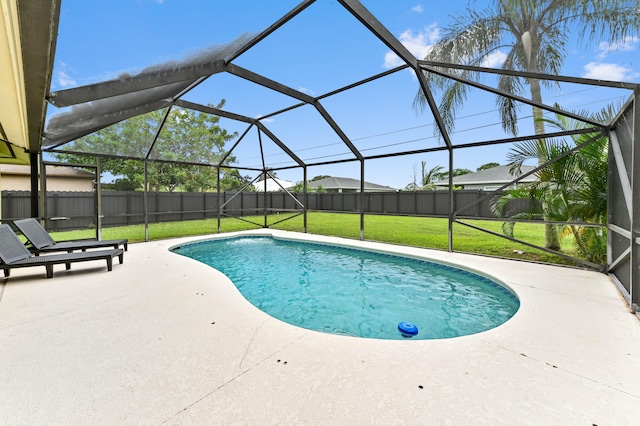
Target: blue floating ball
{"points": [[407, 330]]}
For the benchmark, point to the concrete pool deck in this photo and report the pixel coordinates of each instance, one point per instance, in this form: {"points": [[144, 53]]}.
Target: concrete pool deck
{"points": [[163, 339]]}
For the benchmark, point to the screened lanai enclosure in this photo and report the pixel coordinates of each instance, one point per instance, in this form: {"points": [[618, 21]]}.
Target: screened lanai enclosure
{"points": [[276, 113]]}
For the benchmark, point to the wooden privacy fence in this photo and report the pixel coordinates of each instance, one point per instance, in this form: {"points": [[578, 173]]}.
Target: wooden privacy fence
{"points": [[77, 210]]}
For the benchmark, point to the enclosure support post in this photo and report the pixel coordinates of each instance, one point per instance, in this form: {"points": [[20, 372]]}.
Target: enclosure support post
{"points": [[33, 161], [305, 199], [43, 191], [362, 199], [218, 199], [98, 201], [634, 287], [146, 203], [452, 207], [264, 175]]}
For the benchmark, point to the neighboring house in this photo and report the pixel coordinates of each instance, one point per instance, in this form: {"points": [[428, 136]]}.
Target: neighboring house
{"points": [[338, 184], [59, 178], [273, 185], [487, 180]]}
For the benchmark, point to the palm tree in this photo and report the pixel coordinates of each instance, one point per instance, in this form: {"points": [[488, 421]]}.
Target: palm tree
{"points": [[427, 177], [572, 189], [535, 33], [430, 176]]}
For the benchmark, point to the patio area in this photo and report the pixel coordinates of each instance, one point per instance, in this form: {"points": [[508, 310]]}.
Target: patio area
{"points": [[163, 339]]}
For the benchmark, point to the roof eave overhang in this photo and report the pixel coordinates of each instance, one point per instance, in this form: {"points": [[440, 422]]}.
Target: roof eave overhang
{"points": [[38, 35]]}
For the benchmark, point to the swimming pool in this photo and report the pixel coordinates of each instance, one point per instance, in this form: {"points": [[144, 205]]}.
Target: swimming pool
{"points": [[356, 292]]}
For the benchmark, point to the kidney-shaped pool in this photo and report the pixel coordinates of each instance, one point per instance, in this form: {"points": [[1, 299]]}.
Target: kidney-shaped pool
{"points": [[355, 292]]}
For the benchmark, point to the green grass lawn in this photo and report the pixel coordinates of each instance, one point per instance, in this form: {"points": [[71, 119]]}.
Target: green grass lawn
{"points": [[403, 230]]}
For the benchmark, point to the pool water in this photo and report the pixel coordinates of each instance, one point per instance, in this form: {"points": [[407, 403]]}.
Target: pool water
{"points": [[356, 292]]}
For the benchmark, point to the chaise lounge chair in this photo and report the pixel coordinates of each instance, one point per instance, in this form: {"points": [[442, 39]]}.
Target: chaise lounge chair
{"points": [[13, 254], [41, 241]]}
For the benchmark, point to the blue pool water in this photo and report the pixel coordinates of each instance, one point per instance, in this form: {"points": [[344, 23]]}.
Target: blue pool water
{"points": [[356, 292]]}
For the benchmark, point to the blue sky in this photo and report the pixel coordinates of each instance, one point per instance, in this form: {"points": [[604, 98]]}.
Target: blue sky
{"points": [[321, 50]]}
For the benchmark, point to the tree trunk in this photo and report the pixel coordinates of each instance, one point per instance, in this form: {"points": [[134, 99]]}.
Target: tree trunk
{"points": [[552, 240], [583, 247]]}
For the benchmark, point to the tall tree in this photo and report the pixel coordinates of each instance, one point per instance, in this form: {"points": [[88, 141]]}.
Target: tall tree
{"points": [[429, 176], [487, 166], [535, 34], [456, 172], [573, 188], [186, 137]]}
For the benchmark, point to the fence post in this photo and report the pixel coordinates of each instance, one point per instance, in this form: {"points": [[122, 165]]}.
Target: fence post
{"points": [[54, 211], [181, 206], [7, 204], [157, 197], [128, 204]]}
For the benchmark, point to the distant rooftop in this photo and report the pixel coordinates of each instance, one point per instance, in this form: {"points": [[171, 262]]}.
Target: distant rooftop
{"points": [[347, 184], [13, 169], [496, 175]]}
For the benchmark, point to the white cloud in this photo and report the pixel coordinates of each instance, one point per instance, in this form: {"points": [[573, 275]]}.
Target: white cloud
{"points": [[418, 44], [61, 76], [627, 44], [600, 70], [64, 80], [265, 120], [307, 91], [605, 71], [391, 60], [417, 8], [494, 60]]}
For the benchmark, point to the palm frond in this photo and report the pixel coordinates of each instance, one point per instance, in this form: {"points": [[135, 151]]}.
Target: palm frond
{"points": [[472, 35], [507, 106], [469, 38], [533, 149], [500, 206], [605, 20]]}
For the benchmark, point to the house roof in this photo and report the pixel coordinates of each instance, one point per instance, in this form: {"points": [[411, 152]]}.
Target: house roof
{"points": [[496, 175], [347, 183], [13, 169], [28, 32]]}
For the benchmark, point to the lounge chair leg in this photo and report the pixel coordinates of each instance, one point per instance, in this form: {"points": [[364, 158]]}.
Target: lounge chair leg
{"points": [[68, 266], [49, 270], [109, 263], [7, 272], [121, 258], [126, 246]]}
